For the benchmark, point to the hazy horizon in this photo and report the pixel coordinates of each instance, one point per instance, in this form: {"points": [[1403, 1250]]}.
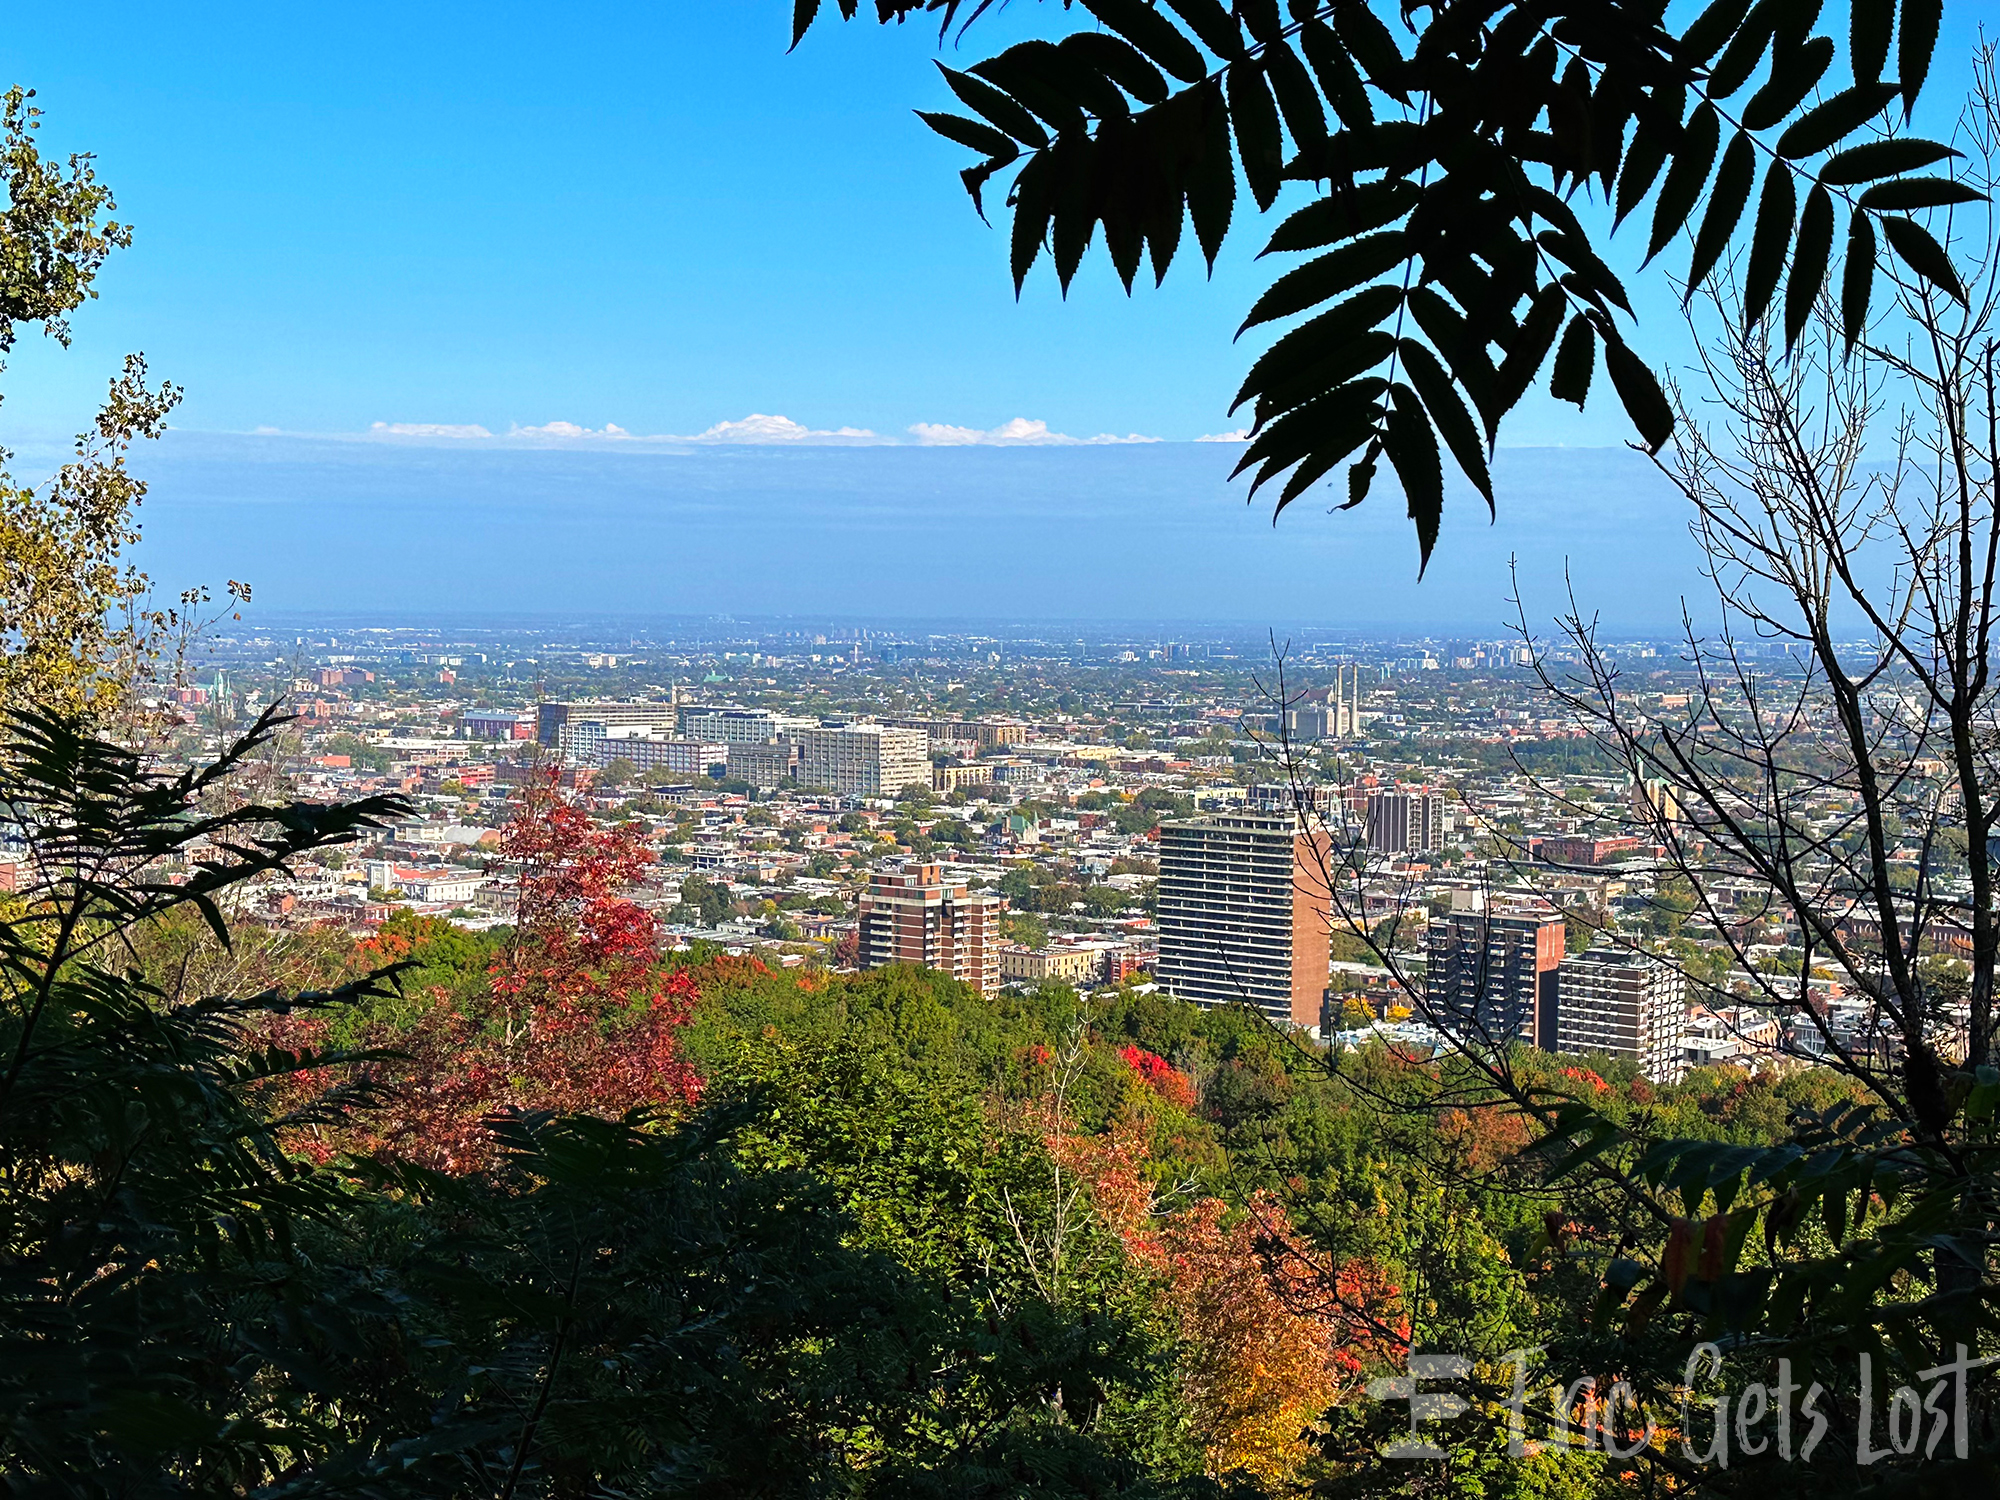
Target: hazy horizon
{"points": [[1143, 532]]}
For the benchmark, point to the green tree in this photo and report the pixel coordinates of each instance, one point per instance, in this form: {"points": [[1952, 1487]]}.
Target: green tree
{"points": [[704, 903], [71, 624]]}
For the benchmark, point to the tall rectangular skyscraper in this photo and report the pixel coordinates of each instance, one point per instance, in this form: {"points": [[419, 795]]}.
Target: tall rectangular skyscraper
{"points": [[1243, 915], [1403, 821]]}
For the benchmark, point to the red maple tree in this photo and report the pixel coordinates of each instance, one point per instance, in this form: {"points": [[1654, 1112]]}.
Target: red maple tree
{"points": [[580, 1013]]}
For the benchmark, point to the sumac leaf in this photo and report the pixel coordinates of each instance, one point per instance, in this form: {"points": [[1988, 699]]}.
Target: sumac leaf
{"points": [[1153, 34], [1576, 359], [1530, 346], [1640, 394], [1214, 25], [1709, 30], [1918, 192], [1369, 43], [1344, 213], [1258, 138], [1777, 205], [1329, 275], [1917, 250], [1869, 25], [1449, 415], [1693, 155], [972, 134], [1312, 339], [1726, 201], [1826, 124], [1002, 108], [1809, 261], [1211, 181], [1413, 452], [1916, 39], [1795, 76], [1857, 277], [1032, 206], [1882, 159]]}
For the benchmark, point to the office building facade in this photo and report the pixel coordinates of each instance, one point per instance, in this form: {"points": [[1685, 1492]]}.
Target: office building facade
{"points": [[916, 916], [864, 760], [552, 719], [764, 764], [1629, 1005], [741, 726], [1494, 973], [1243, 909]]}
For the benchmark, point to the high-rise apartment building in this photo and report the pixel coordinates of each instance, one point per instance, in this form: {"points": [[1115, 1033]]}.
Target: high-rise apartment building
{"points": [[1494, 972], [915, 916], [864, 760], [1629, 1005], [1243, 914], [1401, 821]]}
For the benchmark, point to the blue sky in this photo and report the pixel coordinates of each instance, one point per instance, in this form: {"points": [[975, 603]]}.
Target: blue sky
{"points": [[506, 216], [642, 214]]}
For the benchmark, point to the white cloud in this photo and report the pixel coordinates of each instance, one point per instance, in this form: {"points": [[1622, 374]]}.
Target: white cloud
{"points": [[1239, 435], [429, 430], [1020, 432], [762, 428], [567, 431], [759, 428]]}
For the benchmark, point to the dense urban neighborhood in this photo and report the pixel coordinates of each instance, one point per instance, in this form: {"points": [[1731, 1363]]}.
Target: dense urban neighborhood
{"points": [[1326, 832]]}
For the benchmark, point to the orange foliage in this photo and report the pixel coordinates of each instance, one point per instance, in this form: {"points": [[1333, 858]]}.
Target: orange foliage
{"points": [[1587, 1076], [1488, 1135], [1161, 1076], [1272, 1338]]}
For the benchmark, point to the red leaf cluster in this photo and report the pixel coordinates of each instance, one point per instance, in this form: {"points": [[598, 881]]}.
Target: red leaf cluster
{"points": [[1161, 1076], [580, 1015]]}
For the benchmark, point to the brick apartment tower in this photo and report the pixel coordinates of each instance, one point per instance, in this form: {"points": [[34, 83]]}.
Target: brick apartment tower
{"points": [[914, 916], [1243, 915], [1495, 971]]}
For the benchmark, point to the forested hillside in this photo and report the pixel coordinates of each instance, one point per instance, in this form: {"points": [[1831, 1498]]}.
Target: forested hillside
{"points": [[1020, 1243]]}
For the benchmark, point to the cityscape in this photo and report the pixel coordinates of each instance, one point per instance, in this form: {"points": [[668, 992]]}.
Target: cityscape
{"points": [[933, 750], [1020, 806]]}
